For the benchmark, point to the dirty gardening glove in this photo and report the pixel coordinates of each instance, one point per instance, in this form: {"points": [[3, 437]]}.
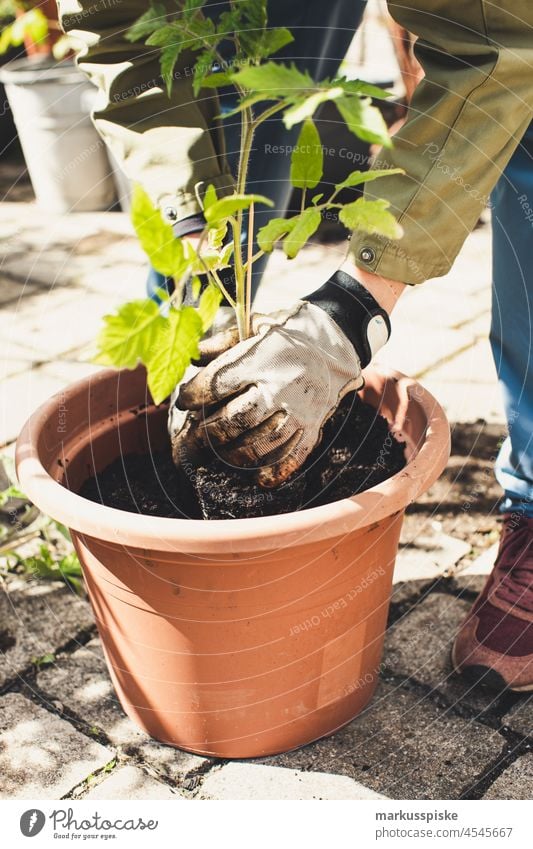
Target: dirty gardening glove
{"points": [[263, 402]]}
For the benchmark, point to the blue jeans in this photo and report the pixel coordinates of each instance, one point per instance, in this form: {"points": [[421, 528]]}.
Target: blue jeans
{"points": [[512, 325]]}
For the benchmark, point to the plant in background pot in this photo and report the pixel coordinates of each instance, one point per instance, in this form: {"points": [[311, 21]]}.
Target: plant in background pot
{"points": [[51, 101], [248, 636]]}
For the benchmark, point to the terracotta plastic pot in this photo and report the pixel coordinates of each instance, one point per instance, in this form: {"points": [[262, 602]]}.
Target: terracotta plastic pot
{"points": [[232, 638]]}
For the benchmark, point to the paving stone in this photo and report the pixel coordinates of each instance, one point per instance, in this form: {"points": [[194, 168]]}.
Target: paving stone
{"points": [[35, 619], [474, 366], [416, 348], [418, 646], [428, 554], [41, 755], [14, 292], [130, 782], [404, 747], [483, 564], [245, 781], [71, 321], [20, 395], [515, 783], [467, 402], [520, 717], [81, 683]]}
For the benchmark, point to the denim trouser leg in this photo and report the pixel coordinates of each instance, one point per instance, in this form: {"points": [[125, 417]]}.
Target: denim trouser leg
{"points": [[512, 323], [322, 35]]}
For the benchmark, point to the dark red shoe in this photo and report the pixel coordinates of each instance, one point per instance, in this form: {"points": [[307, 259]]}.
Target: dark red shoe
{"points": [[494, 645]]}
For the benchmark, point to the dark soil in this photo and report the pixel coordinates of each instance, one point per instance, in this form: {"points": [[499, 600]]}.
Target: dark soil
{"points": [[356, 453]]}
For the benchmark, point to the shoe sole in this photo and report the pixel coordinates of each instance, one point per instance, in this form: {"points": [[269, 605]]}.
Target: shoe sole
{"points": [[485, 676]]}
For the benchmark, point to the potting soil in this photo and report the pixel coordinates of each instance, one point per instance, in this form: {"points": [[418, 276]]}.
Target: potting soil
{"points": [[357, 452]]}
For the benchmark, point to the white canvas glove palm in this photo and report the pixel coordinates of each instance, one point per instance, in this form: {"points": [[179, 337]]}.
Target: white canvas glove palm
{"points": [[263, 402]]}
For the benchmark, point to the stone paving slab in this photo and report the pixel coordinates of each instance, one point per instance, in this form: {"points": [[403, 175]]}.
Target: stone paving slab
{"points": [[404, 747], [80, 682], [35, 620], [520, 717], [515, 783], [418, 647], [245, 781], [41, 755], [130, 782], [20, 395], [428, 555], [483, 564]]}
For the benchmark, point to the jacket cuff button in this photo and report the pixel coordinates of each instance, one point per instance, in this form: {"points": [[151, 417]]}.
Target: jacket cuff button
{"points": [[367, 255], [170, 213]]}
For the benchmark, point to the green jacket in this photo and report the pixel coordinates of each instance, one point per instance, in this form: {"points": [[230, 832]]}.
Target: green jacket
{"points": [[466, 119]]}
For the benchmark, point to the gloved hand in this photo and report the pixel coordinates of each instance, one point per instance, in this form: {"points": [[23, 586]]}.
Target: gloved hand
{"points": [[263, 402]]}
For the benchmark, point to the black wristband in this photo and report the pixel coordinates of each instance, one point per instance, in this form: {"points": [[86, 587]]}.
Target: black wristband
{"points": [[356, 311], [187, 226]]}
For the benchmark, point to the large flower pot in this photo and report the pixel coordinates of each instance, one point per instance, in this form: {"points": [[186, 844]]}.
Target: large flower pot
{"points": [[232, 638], [66, 158]]}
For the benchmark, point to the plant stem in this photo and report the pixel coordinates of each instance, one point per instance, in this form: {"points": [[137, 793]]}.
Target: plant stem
{"points": [[249, 125], [249, 264]]}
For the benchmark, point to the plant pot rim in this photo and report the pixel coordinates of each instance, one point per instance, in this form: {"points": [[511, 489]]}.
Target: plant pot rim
{"points": [[40, 69], [135, 530]]}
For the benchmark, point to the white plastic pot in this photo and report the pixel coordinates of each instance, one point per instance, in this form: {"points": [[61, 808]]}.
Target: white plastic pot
{"points": [[66, 158]]}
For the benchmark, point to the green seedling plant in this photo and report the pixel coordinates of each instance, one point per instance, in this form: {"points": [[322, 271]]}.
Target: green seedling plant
{"points": [[48, 563], [165, 337]]}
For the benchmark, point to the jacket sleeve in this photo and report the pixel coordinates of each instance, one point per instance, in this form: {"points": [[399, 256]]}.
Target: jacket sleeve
{"points": [[466, 119], [167, 144]]}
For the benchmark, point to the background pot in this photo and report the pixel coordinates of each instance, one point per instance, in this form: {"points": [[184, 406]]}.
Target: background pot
{"points": [[66, 158], [233, 638]]}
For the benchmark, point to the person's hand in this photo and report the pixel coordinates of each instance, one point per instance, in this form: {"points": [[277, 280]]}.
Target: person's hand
{"points": [[263, 402]]}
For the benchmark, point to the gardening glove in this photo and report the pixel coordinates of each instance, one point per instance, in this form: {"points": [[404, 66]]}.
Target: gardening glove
{"points": [[263, 402]]}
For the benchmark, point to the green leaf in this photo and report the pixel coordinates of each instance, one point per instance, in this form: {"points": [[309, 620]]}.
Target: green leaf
{"points": [[32, 24], [364, 120], [302, 229], [307, 159], [44, 659], [274, 79], [164, 250], [371, 216], [362, 88], [173, 351], [268, 235], [166, 36], [128, 335], [217, 80], [167, 60], [227, 206], [208, 307], [210, 196], [272, 40], [147, 23], [203, 68], [305, 107], [255, 13], [192, 6], [358, 177]]}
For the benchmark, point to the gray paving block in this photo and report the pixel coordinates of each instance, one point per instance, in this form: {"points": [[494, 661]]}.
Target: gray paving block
{"points": [[515, 783], [520, 717], [245, 781], [429, 554], [404, 747], [130, 782], [81, 683], [484, 564], [35, 619], [418, 646], [41, 755]]}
